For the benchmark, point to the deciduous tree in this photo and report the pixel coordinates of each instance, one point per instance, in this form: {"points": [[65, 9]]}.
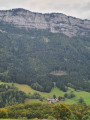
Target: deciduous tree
{"points": [[61, 111]]}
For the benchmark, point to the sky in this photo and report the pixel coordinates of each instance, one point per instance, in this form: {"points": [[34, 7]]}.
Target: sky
{"points": [[75, 8]]}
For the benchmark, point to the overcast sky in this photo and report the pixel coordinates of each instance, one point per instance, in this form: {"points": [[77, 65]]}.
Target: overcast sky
{"points": [[76, 8]]}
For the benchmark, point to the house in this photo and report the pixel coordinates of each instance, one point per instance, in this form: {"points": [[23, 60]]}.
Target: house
{"points": [[52, 100]]}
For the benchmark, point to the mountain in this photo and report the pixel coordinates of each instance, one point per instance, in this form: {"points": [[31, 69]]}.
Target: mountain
{"points": [[42, 50], [54, 22]]}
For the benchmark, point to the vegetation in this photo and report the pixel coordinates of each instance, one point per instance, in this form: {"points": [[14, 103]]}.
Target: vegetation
{"points": [[42, 96], [53, 65], [61, 111], [3, 113], [26, 58], [55, 91], [80, 112], [9, 95], [69, 96], [46, 111]]}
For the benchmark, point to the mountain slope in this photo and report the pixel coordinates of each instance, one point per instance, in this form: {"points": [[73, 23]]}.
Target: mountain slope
{"points": [[39, 58]]}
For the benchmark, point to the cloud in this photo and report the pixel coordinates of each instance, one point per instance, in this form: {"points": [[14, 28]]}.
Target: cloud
{"points": [[77, 8], [86, 7]]}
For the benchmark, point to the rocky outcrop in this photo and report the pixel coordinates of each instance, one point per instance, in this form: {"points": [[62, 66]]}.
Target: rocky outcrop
{"points": [[54, 22]]}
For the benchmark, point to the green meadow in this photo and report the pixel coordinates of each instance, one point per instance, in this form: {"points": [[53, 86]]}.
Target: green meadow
{"points": [[55, 91]]}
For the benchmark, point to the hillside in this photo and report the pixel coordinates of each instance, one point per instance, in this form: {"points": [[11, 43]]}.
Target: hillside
{"points": [[55, 91], [28, 91], [39, 58]]}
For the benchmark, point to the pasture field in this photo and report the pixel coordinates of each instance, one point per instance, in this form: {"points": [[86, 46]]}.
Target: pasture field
{"points": [[55, 91]]}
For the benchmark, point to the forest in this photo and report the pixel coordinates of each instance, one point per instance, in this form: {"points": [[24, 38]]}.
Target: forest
{"points": [[30, 56]]}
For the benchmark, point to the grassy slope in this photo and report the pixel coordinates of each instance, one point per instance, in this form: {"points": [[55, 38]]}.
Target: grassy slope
{"points": [[56, 91]]}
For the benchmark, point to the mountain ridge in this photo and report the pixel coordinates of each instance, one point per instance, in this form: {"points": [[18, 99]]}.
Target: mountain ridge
{"points": [[54, 22]]}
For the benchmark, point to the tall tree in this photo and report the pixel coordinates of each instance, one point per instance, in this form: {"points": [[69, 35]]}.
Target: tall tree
{"points": [[61, 111]]}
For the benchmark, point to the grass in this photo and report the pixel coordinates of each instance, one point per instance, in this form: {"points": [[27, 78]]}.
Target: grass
{"points": [[58, 73], [27, 89], [34, 101]]}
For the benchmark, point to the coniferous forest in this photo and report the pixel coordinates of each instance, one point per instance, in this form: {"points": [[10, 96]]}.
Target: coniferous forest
{"points": [[40, 58]]}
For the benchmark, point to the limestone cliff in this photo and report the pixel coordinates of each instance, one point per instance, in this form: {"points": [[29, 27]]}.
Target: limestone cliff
{"points": [[54, 22]]}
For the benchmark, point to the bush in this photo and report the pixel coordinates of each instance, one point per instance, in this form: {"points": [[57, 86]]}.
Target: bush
{"points": [[3, 113]]}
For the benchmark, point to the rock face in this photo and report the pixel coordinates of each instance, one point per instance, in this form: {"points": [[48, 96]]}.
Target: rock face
{"points": [[54, 22]]}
